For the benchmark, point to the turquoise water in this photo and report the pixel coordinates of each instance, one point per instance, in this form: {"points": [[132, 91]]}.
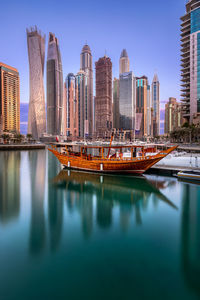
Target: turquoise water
{"points": [[72, 235]]}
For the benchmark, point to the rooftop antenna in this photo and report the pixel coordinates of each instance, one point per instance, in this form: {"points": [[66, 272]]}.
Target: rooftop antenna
{"points": [[105, 53]]}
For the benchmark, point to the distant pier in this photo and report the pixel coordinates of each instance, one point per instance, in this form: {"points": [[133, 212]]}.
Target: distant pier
{"points": [[20, 147], [186, 148], [167, 170]]}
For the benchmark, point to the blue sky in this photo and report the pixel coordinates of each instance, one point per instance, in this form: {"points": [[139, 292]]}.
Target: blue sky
{"points": [[149, 30]]}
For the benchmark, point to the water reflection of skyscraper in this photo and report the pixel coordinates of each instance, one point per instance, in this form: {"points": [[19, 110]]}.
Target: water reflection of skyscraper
{"points": [[109, 191], [190, 236], [86, 211], [9, 185], [37, 164], [104, 208], [55, 205]]}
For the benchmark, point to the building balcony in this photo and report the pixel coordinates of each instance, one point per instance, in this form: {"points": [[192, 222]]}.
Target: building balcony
{"points": [[185, 100], [195, 5], [185, 38], [185, 70], [185, 65], [186, 76], [186, 85], [185, 54], [185, 24], [185, 49], [185, 61], [185, 18], [185, 80], [186, 90], [185, 105], [185, 44], [185, 32], [185, 95], [186, 58]]}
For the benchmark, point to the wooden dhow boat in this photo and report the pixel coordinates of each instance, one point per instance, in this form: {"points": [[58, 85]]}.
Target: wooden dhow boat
{"points": [[104, 161]]}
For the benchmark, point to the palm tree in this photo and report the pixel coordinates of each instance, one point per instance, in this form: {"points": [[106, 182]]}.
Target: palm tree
{"points": [[5, 137], [29, 137], [18, 137]]}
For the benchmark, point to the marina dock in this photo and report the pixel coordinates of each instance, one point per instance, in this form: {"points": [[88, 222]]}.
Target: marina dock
{"points": [[20, 147]]}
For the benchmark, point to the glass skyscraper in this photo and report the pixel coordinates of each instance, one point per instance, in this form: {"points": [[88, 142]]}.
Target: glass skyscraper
{"points": [[116, 103], [36, 53], [82, 102], [190, 62], [127, 96], [155, 88], [54, 87], [143, 121]]}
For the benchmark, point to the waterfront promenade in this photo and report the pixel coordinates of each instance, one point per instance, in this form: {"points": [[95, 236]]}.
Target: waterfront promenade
{"points": [[183, 147], [19, 147]]}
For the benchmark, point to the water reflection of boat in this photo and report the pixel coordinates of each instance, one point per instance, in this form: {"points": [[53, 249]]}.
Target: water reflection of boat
{"points": [[123, 187]]}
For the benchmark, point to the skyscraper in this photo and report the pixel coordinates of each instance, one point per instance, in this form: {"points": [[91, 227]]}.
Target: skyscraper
{"points": [[116, 103], [9, 99], [82, 101], [54, 87], [124, 62], [86, 66], [127, 96], [155, 88], [142, 94], [149, 113], [36, 53], [103, 99], [64, 112], [71, 105], [190, 61], [173, 115]]}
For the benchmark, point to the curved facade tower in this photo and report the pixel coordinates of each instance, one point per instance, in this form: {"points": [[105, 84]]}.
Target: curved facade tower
{"points": [[54, 87], [86, 66], [36, 54], [124, 62]]}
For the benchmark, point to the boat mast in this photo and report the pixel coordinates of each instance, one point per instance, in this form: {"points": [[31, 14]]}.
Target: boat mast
{"points": [[111, 139]]}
